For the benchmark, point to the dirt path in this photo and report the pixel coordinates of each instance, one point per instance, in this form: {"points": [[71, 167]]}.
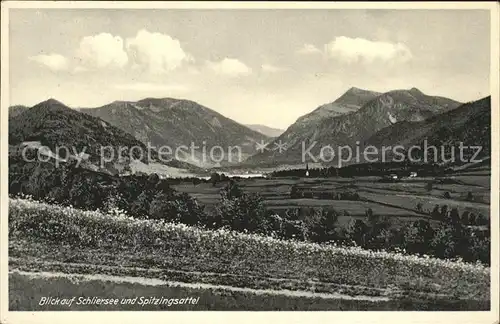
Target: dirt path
{"points": [[158, 282]]}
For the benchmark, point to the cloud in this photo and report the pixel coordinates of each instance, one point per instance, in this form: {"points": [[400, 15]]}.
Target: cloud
{"points": [[230, 67], [157, 53], [193, 70], [102, 51], [55, 62], [150, 87], [351, 50], [272, 68], [79, 69], [309, 49]]}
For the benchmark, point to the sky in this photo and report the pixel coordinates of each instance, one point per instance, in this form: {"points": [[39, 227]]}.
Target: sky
{"points": [[255, 66]]}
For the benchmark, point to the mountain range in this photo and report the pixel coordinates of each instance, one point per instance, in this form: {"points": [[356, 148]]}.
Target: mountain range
{"points": [[357, 118], [367, 113], [55, 125], [177, 122]]}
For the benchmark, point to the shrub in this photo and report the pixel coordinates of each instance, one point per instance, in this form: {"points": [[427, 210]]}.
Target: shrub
{"points": [[240, 211]]}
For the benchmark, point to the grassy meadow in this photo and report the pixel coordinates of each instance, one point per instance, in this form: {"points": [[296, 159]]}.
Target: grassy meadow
{"points": [[64, 252]]}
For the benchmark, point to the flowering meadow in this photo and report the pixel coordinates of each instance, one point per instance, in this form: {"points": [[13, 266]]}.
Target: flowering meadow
{"points": [[158, 244]]}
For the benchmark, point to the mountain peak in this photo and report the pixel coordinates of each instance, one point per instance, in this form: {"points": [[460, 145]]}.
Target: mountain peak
{"points": [[358, 91], [52, 102], [416, 91], [356, 97], [51, 105], [355, 90]]}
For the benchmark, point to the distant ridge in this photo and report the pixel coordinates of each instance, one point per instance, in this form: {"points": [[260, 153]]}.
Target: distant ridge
{"points": [[369, 113], [266, 130], [179, 122]]}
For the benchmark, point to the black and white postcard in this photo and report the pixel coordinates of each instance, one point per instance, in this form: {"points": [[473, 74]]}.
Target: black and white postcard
{"points": [[266, 159]]}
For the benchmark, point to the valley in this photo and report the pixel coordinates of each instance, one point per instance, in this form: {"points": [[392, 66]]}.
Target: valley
{"points": [[266, 233]]}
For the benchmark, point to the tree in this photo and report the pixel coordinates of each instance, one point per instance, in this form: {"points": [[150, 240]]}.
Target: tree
{"points": [[451, 240], [418, 237], [214, 178], [163, 208], [240, 211], [419, 207], [292, 229], [465, 218], [454, 217], [469, 196], [357, 231], [153, 179], [232, 190], [428, 186], [443, 242], [141, 206], [481, 220], [196, 181], [436, 214], [179, 208], [479, 249], [321, 227], [86, 194], [294, 192], [444, 212], [472, 219], [447, 195], [371, 217]]}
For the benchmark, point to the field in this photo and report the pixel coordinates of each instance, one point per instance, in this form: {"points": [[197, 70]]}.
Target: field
{"points": [[398, 200], [64, 252]]}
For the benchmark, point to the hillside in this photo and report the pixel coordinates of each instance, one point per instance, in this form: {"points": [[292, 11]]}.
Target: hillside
{"points": [[16, 110], [469, 124], [175, 122], [377, 113], [52, 124], [266, 130]]}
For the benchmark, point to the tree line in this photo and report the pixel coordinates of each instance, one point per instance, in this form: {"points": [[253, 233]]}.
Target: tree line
{"points": [[151, 197]]}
